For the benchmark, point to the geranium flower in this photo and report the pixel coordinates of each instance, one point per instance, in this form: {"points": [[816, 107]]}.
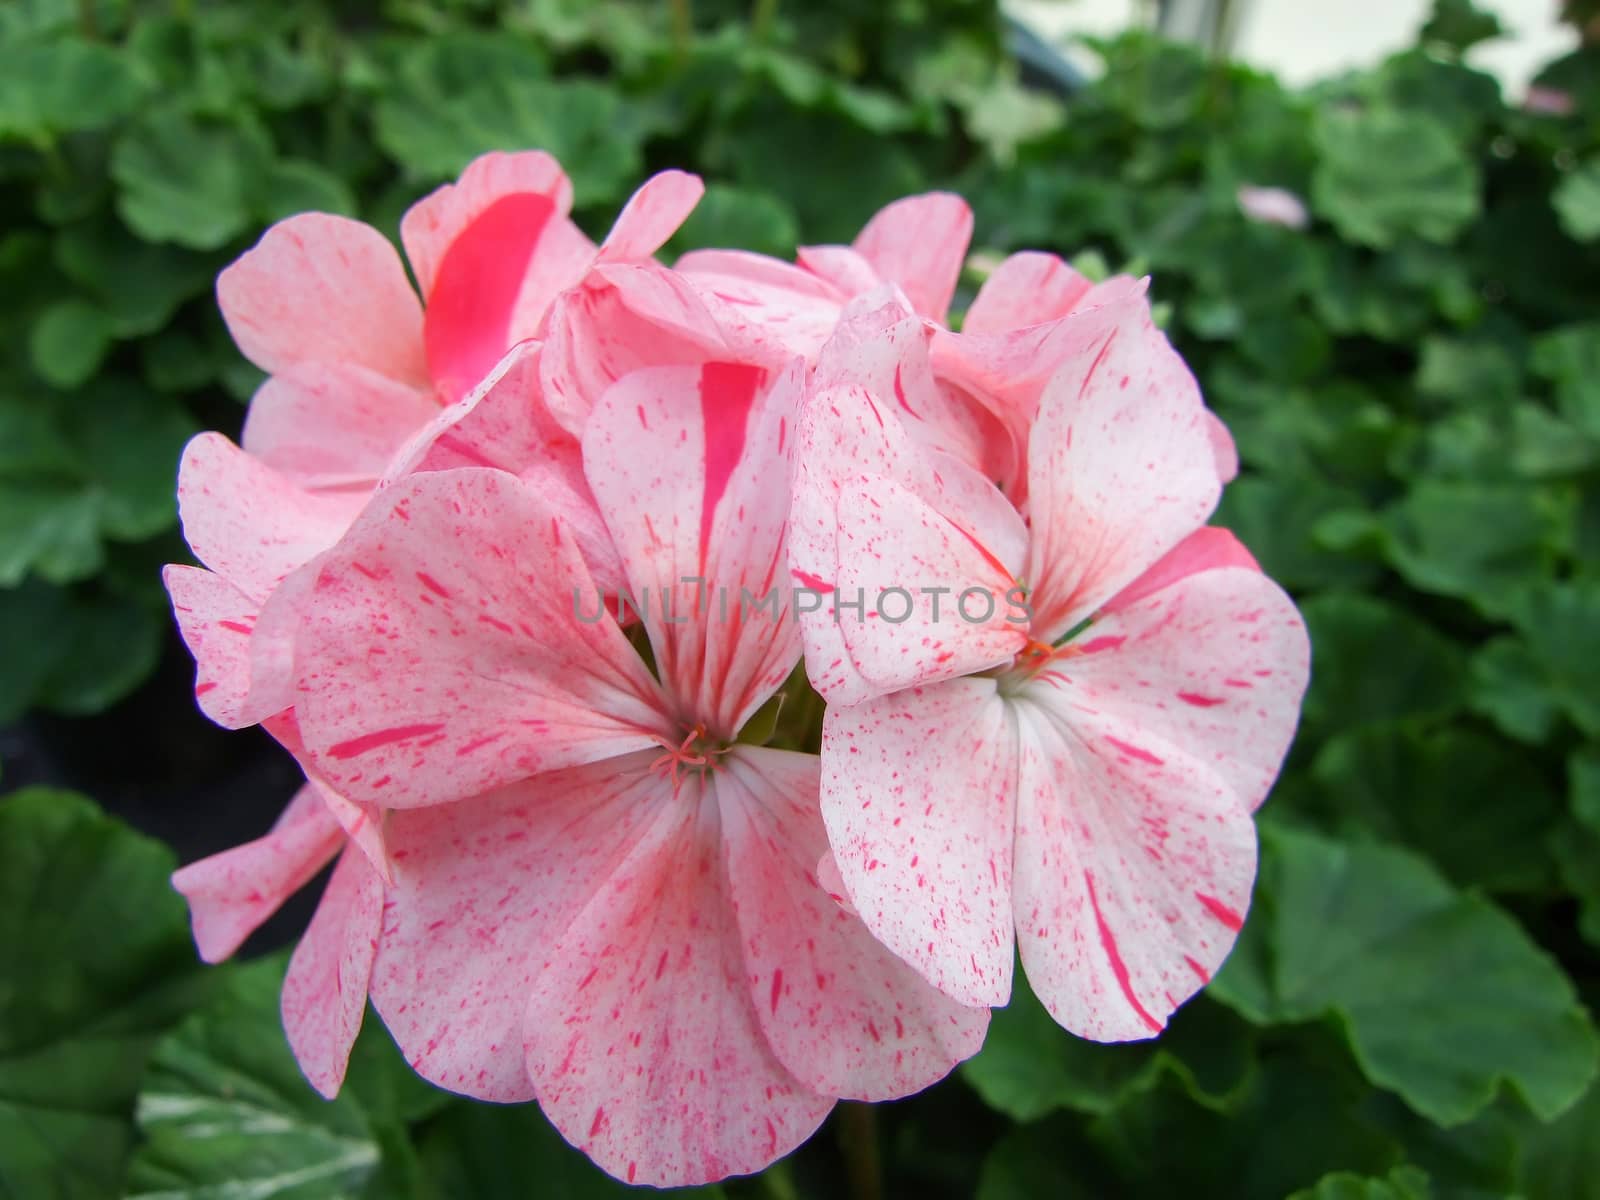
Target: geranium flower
{"points": [[619, 913], [366, 390], [1065, 758], [360, 367]]}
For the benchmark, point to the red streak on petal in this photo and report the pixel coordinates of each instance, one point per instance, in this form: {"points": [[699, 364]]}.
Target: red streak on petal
{"points": [[1135, 752], [814, 582], [383, 737], [900, 392], [236, 626], [1204, 975], [599, 1120], [467, 324], [1198, 700], [1221, 911], [433, 585], [777, 988], [200, 689], [1095, 645], [727, 391], [1118, 968]]}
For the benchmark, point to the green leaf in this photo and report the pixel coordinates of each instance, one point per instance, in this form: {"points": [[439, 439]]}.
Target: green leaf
{"points": [[191, 182], [491, 1152], [224, 1110], [1459, 25], [1509, 687], [1577, 202], [50, 528], [1403, 1183], [1029, 1066], [447, 107], [1477, 807], [69, 341], [1277, 519], [1443, 996], [1478, 542], [1384, 174], [1570, 359], [1160, 1144], [98, 964], [734, 216], [1560, 624], [1373, 662], [1562, 1159], [294, 186], [72, 651], [47, 88]]}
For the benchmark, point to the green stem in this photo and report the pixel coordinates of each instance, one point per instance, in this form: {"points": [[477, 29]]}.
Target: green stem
{"points": [[858, 1142]]}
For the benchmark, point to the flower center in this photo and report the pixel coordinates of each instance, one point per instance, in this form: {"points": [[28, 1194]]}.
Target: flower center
{"points": [[696, 754]]}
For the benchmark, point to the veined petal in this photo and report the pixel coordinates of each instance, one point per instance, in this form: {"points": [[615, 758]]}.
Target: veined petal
{"points": [[1212, 665], [325, 988], [432, 225], [247, 522], [230, 894], [930, 603], [324, 289], [496, 279], [1120, 465], [642, 1039], [217, 621], [683, 461], [848, 441], [652, 215], [451, 648], [624, 317], [333, 425], [1203, 550], [918, 793], [845, 1015], [920, 243], [482, 891], [1134, 865], [1028, 288], [779, 307], [504, 423]]}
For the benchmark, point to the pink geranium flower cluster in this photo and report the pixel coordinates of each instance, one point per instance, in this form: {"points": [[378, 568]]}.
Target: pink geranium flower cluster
{"points": [[520, 565]]}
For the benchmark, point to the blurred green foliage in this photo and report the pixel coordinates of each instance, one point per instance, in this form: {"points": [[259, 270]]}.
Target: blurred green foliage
{"points": [[1413, 381]]}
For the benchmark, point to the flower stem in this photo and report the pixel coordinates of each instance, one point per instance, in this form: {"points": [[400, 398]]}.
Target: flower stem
{"points": [[858, 1142]]}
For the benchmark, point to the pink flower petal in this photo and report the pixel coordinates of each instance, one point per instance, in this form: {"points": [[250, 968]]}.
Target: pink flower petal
{"points": [[504, 423], [1203, 550], [1028, 288], [845, 1015], [1120, 465], [849, 440], [932, 603], [325, 989], [622, 319], [920, 243], [324, 289], [495, 283], [329, 425], [230, 894], [787, 309], [918, 790], [1213, 663], [247, 522], [1133, 869], [652, 215], [641, 1034], [217, 621], [482, 890], [842, 266], [682, 461], [432, 224], [452, 648]]}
